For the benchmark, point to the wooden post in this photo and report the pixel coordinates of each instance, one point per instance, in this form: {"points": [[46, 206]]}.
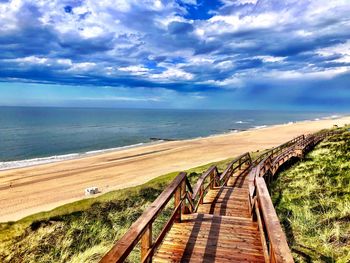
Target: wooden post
{"points": [[176, 203], [183, 194], [272, 254], [146, 243], [212, 179], [201, 194], [191, 205]]}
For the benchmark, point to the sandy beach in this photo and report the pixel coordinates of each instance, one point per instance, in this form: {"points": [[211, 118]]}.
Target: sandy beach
{"points": [[28, 190]]}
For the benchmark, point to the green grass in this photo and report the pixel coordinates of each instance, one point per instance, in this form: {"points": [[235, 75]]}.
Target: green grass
{"points": [[83, 231], [312, 200]]}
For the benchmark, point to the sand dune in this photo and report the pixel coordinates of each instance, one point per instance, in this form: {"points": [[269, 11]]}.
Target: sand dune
{"points": [[33, 189]]}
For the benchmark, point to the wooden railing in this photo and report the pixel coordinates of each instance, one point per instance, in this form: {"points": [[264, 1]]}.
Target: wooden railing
{"points": [[277, 150], [186, 200], [203, 185], [235, 165], [212, 178], [142, 228], [274, 241]]}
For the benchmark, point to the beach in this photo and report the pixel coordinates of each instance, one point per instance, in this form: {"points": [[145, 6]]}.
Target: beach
{"points": [[28, 190]]}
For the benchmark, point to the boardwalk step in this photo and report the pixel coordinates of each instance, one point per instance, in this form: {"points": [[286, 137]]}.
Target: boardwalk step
{"points": [[213, 238]]}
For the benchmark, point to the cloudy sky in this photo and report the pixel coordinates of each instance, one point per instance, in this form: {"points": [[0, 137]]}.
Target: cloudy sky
{"points": [[276, 54]]}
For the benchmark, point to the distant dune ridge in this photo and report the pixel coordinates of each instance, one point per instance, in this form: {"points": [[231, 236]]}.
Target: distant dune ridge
{"points": [[25, 191]]}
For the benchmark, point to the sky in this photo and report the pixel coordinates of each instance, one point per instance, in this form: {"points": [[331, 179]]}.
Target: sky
{"points": [[214, 54]]}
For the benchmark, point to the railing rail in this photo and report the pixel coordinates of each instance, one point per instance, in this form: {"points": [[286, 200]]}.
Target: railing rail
{"points": [[235, 165], [275, 240], [278, 149], [142, 228], [275, 244], [200, 188]]}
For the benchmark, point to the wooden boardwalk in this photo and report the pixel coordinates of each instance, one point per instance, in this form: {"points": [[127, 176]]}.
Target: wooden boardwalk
{"points": [[224, 217], [222, 230]]}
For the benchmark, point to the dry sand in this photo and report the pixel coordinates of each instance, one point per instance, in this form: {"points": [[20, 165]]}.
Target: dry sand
{"points": [[25, 191]]}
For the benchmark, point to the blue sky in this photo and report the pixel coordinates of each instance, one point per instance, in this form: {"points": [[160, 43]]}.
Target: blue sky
{"points": [[275, 54]]}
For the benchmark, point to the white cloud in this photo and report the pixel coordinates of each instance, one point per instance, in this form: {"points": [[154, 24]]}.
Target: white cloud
{"points": [[224, 64], [64, 61], [30, 60], [83, 66], [340, 49], [270, 58], [173, 74], [231, 23], [200, 60], [135, 70], [294, 74], [122, 98], [232, 82]]}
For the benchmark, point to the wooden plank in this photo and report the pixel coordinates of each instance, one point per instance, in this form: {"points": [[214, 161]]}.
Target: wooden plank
{"points": [[217, 239], [146, 243], [254, 242], [209, 254]]}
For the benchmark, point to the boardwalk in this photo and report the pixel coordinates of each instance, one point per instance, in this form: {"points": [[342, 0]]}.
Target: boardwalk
{"points": [[224, 217], [222, 230]]}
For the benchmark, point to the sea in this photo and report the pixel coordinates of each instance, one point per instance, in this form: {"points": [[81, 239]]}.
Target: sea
{"points": [[36, 135]]}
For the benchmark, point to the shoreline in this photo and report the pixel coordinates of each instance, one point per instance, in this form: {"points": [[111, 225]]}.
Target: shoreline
{"points": [[28, 190], [70, 156], [35, 161]]}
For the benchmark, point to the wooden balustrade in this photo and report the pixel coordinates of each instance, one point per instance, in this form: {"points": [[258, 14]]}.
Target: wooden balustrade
{"points": [[272, 236], [203, 185], [186, 200], [142, 228], [277, 150], [235, 165]]}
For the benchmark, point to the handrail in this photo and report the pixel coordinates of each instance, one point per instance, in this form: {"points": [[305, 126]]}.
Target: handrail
{"points": [[239, 161], [216, 179], [278, 246], [200, 182], [260, 201], [141, 229], [276, 150], [200, 188]]}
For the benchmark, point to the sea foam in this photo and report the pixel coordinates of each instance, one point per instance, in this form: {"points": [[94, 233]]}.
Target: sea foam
{"points": [[56, 158]]}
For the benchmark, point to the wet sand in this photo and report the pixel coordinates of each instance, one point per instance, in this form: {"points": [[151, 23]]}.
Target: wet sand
{"points": [[29, 190]]}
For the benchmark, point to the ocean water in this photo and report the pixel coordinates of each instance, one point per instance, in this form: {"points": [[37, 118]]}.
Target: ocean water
{"points": [[31, 135]]}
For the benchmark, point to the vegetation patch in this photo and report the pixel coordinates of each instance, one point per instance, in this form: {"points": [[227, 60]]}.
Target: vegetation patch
{"points": [[312, 200]]}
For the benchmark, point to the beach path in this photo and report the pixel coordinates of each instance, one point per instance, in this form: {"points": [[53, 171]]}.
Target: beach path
{"points": [[28, 190]]}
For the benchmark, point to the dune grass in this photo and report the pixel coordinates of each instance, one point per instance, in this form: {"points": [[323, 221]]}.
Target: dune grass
{"points": [[312, 200], [85, 230]]}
